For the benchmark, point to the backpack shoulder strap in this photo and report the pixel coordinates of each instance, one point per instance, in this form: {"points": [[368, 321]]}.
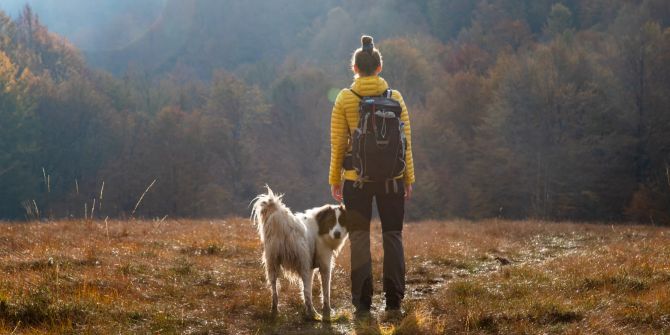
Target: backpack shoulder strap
{"points": [[356, 94]]}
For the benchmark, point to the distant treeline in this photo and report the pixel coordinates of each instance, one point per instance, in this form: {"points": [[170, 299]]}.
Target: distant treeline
{"points": [[519, 108]]}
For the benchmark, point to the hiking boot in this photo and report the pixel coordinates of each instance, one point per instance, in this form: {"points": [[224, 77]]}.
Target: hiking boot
{"points": [[393, 315], [393, 311]]}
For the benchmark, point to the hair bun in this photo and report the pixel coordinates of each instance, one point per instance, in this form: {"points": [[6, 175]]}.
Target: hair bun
{"points": [[367, 43], [365, 40]]}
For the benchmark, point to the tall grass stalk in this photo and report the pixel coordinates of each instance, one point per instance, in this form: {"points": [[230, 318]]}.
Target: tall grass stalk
{"points": [[142, 197], [18, 324], [107, 229], [37, 210], [102, 189], [44, 174], [32, 212]]}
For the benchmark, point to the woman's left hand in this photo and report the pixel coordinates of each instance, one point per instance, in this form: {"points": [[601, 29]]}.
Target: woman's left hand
{"points": [[336, 192], [408, 191]]}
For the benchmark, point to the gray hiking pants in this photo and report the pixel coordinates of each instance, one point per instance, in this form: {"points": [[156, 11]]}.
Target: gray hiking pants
{"points": [[391, 208]]}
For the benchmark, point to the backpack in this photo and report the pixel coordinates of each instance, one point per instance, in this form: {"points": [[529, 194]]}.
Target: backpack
{"points": [[378, 143]]}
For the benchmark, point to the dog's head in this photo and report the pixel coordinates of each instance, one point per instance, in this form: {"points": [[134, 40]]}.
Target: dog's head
{"points": [[332, 220]]}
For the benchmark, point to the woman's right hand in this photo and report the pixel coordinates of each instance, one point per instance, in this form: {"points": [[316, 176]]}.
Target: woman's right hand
{"points": [[336, 192]]}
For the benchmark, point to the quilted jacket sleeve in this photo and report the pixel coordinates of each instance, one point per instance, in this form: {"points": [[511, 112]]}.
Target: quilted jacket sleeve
{"points": [[404, 116], [339, 135]]}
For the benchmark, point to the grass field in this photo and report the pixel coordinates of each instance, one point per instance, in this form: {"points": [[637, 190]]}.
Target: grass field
{"points": [[205, 277]]}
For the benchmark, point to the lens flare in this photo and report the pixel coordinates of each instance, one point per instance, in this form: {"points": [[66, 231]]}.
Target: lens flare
{"points": [[332, 94]]}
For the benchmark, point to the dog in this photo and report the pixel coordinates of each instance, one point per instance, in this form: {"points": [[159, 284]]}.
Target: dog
{"points": [[298, 244]]}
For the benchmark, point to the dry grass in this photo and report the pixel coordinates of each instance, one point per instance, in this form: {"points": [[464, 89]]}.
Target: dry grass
{"points": [[200, 277]]}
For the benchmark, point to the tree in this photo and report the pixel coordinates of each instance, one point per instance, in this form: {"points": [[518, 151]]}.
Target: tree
{"points": [[18, 146], [645, 70], [233, 118], [407, 69], [555, 120], [559, 21]]}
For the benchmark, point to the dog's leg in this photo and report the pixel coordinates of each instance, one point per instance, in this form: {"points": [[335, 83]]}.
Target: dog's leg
{"points": [[325, 273], [272, 278], [307, 278]]}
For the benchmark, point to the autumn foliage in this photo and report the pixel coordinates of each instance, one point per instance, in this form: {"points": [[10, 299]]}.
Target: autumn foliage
{"points": [[541, 109]]}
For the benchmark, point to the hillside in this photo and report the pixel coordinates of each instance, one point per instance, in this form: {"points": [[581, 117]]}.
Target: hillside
{"points": [[519, 109], [198, 277]]}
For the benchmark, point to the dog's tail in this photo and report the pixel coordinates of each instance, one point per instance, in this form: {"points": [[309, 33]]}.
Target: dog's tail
{"points": [[264, 205]]}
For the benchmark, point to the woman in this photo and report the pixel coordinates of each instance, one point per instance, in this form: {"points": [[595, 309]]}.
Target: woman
{"points": [[367, 64]]}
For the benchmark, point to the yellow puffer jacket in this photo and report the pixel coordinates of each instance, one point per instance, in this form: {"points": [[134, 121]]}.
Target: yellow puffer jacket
{"points": [[344, 120]]}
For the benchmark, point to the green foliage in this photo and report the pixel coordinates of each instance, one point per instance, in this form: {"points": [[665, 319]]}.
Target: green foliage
{"points": [[18, 143]]}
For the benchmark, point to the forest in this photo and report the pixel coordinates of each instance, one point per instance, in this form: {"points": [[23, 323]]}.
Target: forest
{"points": [[544, 109]]}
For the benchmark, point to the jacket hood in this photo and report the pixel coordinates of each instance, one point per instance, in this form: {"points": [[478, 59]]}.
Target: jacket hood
{"points": [[369, 85]]}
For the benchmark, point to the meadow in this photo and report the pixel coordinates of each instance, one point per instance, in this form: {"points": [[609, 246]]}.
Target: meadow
{"points": [[205, 277]]}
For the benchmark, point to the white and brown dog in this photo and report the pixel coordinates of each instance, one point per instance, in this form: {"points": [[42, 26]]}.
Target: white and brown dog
{"points": [[299, 244]]}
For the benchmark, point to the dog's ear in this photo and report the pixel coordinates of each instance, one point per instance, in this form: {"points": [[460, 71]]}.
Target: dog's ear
{"points": [[325, 218], [324, 213]]}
